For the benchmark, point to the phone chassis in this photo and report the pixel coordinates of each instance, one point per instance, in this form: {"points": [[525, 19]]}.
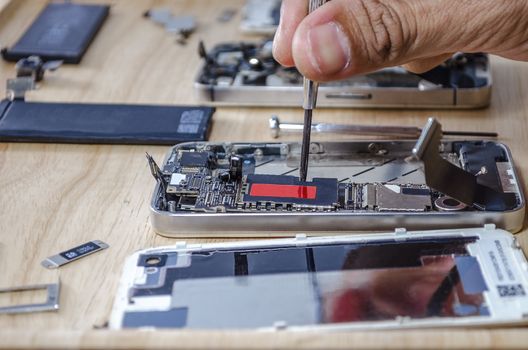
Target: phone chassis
{"points": [[379, 187], [247, 74]]}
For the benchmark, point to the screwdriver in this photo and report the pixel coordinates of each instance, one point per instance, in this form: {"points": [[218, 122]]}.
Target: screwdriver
{"points": [[310, 98]]}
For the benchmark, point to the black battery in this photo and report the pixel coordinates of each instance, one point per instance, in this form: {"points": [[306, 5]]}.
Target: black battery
{"points": [[22, 121], [62, 31]]}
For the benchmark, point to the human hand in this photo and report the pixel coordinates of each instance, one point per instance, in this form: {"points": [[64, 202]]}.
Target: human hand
{"points": [[343, 38]]}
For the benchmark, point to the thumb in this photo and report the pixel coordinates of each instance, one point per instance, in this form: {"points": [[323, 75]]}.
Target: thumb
{"points": [[347, 37]]}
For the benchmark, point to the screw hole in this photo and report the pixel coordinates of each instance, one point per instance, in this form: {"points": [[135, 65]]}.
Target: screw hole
{"points": [[153, 260], [151, 270]]}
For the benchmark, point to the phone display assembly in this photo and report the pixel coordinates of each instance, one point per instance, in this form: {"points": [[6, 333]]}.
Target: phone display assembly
{"points": [[451, 278], [247, 74], [254, 188], [62, 31]]}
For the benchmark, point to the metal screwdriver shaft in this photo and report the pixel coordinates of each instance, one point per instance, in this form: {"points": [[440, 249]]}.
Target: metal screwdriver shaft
{"points": [[310, 99]]}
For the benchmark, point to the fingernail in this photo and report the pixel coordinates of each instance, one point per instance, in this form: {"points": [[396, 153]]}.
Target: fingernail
{"points": [[330, 48]]}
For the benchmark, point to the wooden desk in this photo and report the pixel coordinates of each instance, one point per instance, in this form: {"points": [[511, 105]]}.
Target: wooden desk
{"points": [[53, 197]]}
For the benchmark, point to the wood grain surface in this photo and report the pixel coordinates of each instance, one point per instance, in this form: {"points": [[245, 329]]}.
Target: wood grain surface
{"points": [[54, 197]]}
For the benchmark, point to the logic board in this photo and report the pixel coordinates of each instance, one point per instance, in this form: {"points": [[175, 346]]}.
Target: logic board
{"points": [[344, 178]]}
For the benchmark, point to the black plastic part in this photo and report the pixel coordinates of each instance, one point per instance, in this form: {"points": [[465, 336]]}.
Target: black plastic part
{"points": [[102, 123], [62, 31], [483, 154], [195, 159], [415, 191], [235, 167]]}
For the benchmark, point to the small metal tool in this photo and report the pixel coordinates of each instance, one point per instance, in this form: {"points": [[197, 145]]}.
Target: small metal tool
{"points": [[277, 127], [73, 254], [310, 100]]}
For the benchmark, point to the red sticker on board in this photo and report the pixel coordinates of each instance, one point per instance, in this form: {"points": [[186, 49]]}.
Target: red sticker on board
{"points": [[283, 191]]}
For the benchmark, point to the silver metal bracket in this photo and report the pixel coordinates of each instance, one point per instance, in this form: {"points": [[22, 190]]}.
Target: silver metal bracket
{"points": [[51, 303], [277, 127], [16, 88], [29, 71]]}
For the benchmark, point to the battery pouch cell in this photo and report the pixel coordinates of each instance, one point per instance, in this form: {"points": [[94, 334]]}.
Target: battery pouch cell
{"points": [[22, 121], [62, 31]]}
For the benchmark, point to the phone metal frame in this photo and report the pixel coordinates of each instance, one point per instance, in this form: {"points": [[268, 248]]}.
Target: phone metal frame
{"points": [[343, 96], [347, 97], [269, 224]]}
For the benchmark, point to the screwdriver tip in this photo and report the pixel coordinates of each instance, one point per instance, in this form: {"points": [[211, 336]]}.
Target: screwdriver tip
{"points": [[305, 147]]}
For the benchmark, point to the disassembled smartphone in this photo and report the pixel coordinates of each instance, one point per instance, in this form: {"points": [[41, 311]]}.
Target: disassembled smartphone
{"points": [[451, 278], [254, 188], [247, 74]]}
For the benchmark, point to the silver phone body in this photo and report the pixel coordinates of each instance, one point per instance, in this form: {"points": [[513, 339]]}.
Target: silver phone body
{"points": [[387, 163], [463, 82], [347, 97]]}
